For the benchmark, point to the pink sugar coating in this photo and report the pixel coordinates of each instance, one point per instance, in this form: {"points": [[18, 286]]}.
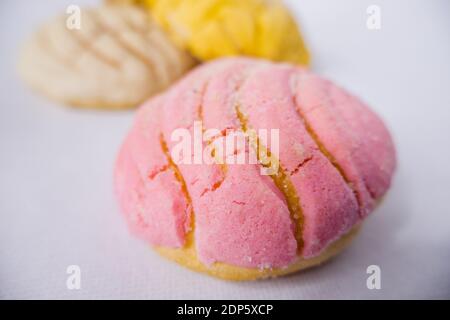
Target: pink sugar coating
{"points": [[352, 133], [245, 226], [161, 223], [241, 218], [328, 204]]}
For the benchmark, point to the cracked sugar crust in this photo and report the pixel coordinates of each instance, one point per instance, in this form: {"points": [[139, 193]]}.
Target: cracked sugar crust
{"points": [[234, 215], [349, 134], [117, 59]]}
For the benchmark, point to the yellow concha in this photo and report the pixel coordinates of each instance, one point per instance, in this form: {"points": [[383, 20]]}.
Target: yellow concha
{"points": [[215, 28]]}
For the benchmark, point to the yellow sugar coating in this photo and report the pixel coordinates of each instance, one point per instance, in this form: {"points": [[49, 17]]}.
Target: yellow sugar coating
{"points": [[211, 29]]}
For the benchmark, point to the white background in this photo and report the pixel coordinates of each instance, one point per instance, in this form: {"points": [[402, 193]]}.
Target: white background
{"points": [[57, 206]]}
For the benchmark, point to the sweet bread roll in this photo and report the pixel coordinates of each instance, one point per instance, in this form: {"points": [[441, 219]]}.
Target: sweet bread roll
{"points": [[117, 59], [332, 162], [211, 29]]}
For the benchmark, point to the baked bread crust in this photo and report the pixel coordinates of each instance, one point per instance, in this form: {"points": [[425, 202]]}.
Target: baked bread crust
{"points": [[187, 257], [117, 59]]}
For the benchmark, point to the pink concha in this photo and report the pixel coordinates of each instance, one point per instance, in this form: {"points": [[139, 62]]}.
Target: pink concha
{"points": [[336, 153]]}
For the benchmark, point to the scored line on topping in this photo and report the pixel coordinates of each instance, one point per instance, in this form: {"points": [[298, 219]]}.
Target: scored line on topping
{"points": [[104, 28], [88, 45], [280, 179], [179, 177], [325, 152]]}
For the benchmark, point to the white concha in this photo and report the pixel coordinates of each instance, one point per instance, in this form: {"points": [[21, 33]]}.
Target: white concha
{"points": [[116, 59]]}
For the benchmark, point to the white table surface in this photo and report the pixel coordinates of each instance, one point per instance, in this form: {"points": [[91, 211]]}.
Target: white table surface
{"points": [[57, 206]]}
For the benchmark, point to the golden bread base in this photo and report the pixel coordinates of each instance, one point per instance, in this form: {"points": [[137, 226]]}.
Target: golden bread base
{"points": [[188, 257]]}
